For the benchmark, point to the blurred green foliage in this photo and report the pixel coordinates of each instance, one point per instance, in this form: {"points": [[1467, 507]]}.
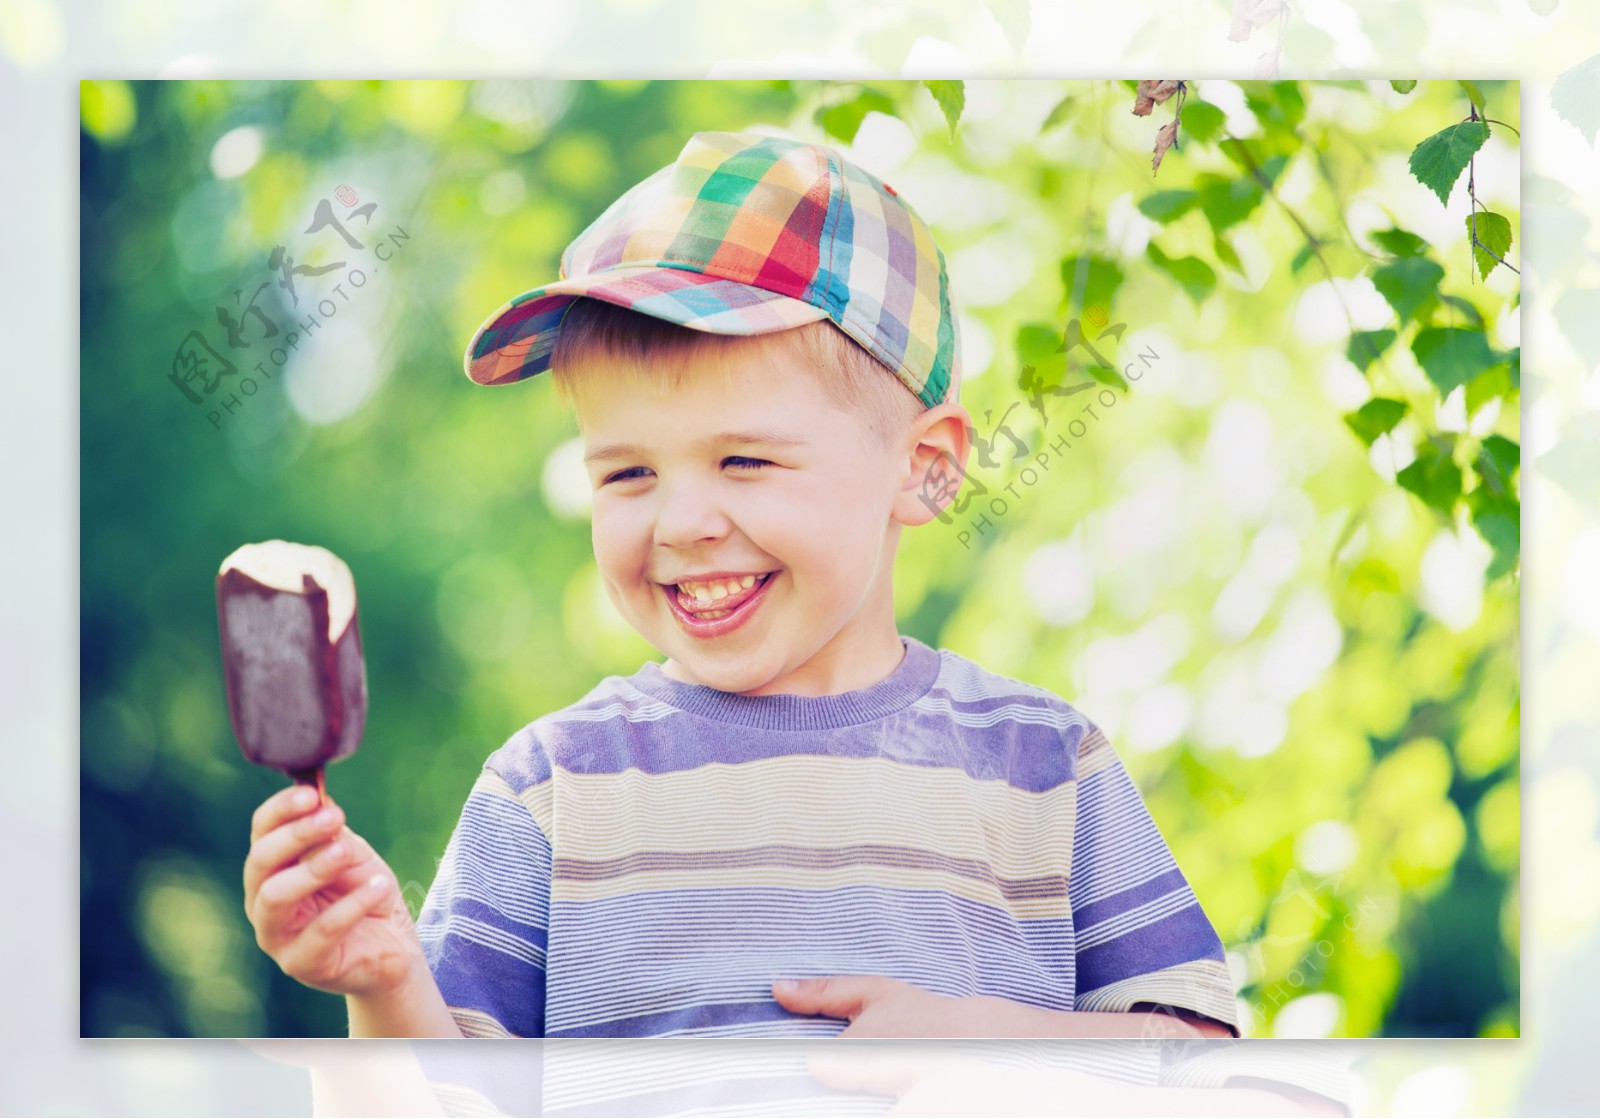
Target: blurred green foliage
{"points": [[1280, 567]]}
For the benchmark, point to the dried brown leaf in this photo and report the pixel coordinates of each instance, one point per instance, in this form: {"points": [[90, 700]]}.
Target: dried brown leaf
{"points": [[1166, 138], [1151, 92], [1251, 14]]}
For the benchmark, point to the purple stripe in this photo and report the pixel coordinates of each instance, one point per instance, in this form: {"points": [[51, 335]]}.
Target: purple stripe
{"points": [[1181, 938], [1087, 916], [1027, 756], [871, 854], [703, 1017], [507, 989]]}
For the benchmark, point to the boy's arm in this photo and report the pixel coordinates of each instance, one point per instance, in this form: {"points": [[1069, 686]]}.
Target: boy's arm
{"points": [[414, 1009], [483, 926], [876, 1006], [1140, 936]]}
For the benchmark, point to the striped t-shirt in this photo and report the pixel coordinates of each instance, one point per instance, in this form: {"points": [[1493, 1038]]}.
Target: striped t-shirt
{"points": [[648, 860]]}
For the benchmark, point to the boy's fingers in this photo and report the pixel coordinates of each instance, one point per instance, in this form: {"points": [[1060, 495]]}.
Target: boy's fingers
{"points": [[360, 846], [286, 889], [322, 936], [286, 844], [280, 807], [839, 996]]}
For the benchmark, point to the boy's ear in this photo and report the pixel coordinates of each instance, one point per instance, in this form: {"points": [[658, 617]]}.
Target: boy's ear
{"points": [[936, 463]]}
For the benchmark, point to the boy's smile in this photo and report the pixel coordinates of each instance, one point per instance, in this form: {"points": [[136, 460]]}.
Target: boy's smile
{"points": [[711, 607], [743, 524]]}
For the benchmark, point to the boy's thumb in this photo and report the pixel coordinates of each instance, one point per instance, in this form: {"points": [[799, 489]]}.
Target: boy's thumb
{"points": [[840, 996]]}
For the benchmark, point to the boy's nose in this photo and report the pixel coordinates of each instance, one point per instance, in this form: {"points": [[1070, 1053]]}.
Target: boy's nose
{"points": [[688, 514]]}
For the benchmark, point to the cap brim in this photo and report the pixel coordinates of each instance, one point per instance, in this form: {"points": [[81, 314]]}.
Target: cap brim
{"points": [[516, 341]]}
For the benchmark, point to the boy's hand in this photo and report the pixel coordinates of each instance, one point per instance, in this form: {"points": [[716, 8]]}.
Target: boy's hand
{"points": [[880, 1007], [325, 907]]}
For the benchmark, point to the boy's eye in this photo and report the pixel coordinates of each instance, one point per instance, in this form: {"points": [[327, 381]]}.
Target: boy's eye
{"points": [[746, 463], [740, 462]]}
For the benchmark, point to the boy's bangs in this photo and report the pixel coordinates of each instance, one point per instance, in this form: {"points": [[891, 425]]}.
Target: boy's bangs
{"points": [[653, 355]]}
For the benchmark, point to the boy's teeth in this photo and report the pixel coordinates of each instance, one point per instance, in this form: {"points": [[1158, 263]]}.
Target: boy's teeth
{"points": [[722, 588], [704, 599]]}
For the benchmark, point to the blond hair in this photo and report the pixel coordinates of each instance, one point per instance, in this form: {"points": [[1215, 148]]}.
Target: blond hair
{"points": [[657, 353]]}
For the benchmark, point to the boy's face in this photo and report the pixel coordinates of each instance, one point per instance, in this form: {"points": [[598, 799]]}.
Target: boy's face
{"points": [[757, 477]]}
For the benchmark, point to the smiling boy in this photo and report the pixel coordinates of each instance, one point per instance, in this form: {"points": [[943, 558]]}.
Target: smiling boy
{"points": [[800, 823], [713, 469]]}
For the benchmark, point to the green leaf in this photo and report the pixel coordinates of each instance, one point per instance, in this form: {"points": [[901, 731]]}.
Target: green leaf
{"points": [[1474, 94], [1302, 258], [1465, 306], [1226, 254], [842, 120], [1400, 242], [1376, 417], [1251, 156], [1201, 120], [1043, 351], [1059, 114], [1492, 383], [1498, 521], [1039, 345], [1438, 161], [1240, 152], [1273, 166], [1227, 202], [1366, 346], [952, 98], [1015, 18], [1194, 275], [1434, 477], [1403, 86], [1277, 105], [1090, 281], [1493, 232], [1498, 463], [1168, 205], [1451, 355], [1408, 284], [1106, 376]]}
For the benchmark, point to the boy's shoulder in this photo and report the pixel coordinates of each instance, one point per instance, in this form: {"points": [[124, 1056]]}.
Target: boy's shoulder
{"points": [[602, 730], [563, 736], [960, 676], [979, 697]]}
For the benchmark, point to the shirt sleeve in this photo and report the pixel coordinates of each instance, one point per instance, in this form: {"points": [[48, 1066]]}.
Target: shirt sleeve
{"points": [[485, 922], [1141, 935]]}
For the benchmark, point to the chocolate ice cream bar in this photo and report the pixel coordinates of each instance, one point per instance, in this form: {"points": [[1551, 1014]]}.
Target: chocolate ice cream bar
{"points": [[291, 656]]}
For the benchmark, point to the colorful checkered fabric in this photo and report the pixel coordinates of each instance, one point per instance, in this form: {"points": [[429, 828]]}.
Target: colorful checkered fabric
{"points": [[750, 234]]}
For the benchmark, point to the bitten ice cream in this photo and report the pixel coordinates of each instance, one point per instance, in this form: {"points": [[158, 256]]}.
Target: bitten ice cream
{"points": [[291, 656]]}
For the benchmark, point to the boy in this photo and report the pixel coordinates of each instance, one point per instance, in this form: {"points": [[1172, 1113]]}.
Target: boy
{"points": [[801, 822]]}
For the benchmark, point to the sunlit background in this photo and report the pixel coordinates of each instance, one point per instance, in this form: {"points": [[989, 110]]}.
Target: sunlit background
{"points": [[1310, 671]]}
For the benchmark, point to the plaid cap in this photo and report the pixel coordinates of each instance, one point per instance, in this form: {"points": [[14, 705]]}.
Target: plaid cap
{"points": [[750, 234]]}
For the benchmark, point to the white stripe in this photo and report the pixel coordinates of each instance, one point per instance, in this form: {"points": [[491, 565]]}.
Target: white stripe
{"points": [[1138, 917], [485, 936]]}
